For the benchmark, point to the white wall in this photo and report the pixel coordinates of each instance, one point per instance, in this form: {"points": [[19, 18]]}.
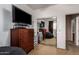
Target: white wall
{"points": [[35, 33], [4, 33], [6, 21], [61, 34], [77, 30], [55, 28], [46, 25]]}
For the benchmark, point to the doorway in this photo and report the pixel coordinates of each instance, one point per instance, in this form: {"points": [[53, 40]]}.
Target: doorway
{"points": [[51, 26], [71, 30], [47, 33]]}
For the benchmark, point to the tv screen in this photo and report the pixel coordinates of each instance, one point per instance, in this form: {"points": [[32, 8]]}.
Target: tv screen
{"points": [[19, 16]]}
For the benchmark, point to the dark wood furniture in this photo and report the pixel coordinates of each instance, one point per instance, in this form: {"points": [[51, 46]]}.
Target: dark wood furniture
{"points": [[23, 38]]}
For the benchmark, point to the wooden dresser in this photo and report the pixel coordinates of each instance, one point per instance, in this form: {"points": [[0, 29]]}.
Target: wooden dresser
{"points": [[23, 38]]}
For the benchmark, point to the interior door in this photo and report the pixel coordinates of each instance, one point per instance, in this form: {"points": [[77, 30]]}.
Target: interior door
{"points": [[51, 26]]}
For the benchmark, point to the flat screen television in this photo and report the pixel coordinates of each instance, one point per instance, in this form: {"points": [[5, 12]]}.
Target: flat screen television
{"points": [[20, 16]]}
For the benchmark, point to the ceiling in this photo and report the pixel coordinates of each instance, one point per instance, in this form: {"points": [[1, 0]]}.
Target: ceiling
{"points": [[38, 6]]}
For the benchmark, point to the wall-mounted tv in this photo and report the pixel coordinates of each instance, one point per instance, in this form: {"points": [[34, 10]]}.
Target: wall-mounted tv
{"points": [[20, 16]]}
